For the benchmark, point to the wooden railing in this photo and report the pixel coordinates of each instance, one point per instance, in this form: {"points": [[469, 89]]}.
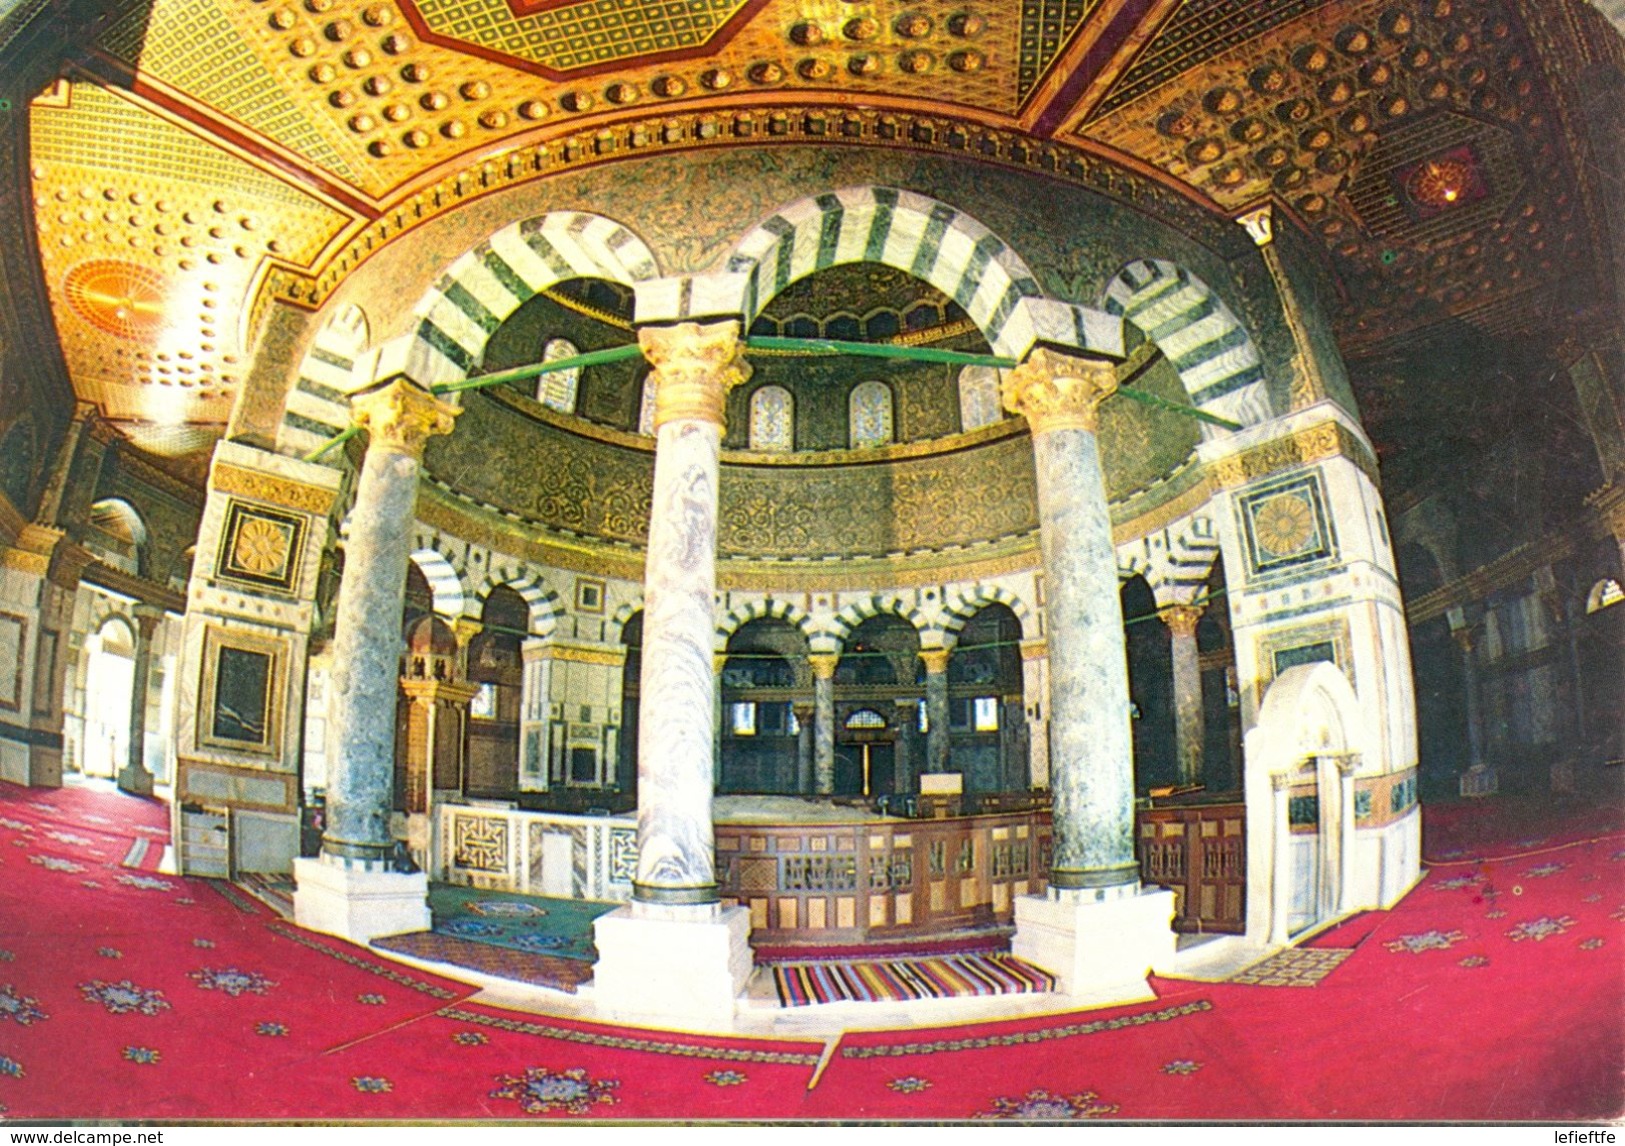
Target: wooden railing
{"points": [[851, 882], [1199, 852]]}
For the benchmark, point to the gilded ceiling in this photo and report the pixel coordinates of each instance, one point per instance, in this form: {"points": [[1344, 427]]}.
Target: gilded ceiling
{"points": [[198, 157]]}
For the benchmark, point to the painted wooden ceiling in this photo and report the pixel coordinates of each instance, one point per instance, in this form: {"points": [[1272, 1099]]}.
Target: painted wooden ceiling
{"points": [[200, 157]]}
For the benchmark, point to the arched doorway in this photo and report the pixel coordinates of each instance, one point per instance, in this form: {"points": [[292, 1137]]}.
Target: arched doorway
{"points": [[986, 717], [496, 671], [879, 686], [109, 684], [1150, 687], [764, 677]]}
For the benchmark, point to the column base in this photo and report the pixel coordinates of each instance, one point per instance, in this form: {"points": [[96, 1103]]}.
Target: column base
{"points": [[358, 903], [683, 963], [1100, 950], [1479, 780], [135, 781]]}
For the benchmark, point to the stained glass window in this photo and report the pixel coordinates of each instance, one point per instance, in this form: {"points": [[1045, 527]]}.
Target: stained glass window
{"points": [[979, 403], [869, 409], [646, 413], [772, 419], [557, 388]]}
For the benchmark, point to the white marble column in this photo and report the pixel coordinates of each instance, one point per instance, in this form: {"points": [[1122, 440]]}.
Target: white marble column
{"points": [[823, 670], [675, 950], [536, 657], [134, 777], [1094, 928], [1281, 876], [1347, 765], [804, 748], [1188, 716], [694, 368], [352, 890], [936, 709], [1035, 695]]}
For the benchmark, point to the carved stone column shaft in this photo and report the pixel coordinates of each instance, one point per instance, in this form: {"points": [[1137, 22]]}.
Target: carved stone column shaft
{"points": [[1091, 750], [694, 368], [823, 670], [936, 709], [400, 418], [1188, 716]]}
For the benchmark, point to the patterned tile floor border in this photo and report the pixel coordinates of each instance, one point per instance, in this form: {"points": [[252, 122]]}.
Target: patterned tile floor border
{"points": [[1294, 967]]}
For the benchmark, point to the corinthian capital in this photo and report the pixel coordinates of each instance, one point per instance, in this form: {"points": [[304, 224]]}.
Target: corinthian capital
{"points": [[695, 366], [1181, 619], [402, 416], [1055, 391]]}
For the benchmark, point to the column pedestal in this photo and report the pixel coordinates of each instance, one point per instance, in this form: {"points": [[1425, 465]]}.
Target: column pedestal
{"points": [[1100, 950], [686, 964], [358, 901]]}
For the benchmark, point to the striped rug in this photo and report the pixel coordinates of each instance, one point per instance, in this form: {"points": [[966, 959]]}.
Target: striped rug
{"points": [[802, 984]]}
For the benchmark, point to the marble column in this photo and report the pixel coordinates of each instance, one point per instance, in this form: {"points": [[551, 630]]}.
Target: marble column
{"points": [[1469, 688], [823, 670], [353, 888], [905, 766], [399, 417], [1091, 749], [1035, 696], [936, 709], [134, 777], [1094, 927], [1188, 716], [718, 662], [1281, 855], [694, 367], [1307, 387], [1347, 765], [804, 748], [675, 951]]}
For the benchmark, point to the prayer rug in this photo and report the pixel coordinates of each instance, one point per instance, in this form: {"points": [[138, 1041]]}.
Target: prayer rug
{"points": [[534, 925], [1294, 967], [490, 959], [952, 976], [917, 949], [275, 891]]}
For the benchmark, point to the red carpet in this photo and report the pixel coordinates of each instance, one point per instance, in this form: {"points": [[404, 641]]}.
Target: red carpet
{"points": [[1492, 992]]}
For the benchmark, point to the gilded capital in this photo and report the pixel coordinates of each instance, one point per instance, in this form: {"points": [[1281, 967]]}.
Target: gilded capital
{"points": [[1055, 391], [935, 660], [1181, 619], [401, 417], [1260, 224], [695, 366], [823, 665]]}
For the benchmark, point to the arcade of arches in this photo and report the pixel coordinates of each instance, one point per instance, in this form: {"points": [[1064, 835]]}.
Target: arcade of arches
{"points": [[583, 536]]}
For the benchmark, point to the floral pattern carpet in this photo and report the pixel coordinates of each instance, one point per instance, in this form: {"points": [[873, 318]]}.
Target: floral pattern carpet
{"points": [[1492, 992]]}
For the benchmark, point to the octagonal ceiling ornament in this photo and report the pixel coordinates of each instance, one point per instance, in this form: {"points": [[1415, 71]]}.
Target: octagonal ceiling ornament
{"points": [[569, 39]]}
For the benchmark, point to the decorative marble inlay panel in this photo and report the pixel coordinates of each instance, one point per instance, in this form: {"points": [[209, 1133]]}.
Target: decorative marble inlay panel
{"points": [[1286, 526], [480, 843], [623, 854], [261, 547]]}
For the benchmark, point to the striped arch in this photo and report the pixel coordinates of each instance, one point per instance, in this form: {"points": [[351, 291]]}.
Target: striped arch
{"points": [[849, 618], [318, 406], [444, 582], [1212, 351], [543, 603], [747, 611], [1175, 560], [900, 229], [464, 308], [968, 603]]}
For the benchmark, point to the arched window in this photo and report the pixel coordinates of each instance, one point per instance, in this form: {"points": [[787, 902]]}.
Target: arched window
{"points": [[979, 403], [557, 389], [646, 412], [870, 413], [772, 419]]}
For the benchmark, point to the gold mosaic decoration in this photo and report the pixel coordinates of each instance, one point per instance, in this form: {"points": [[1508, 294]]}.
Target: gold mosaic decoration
{"points": [[155, 240]]}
